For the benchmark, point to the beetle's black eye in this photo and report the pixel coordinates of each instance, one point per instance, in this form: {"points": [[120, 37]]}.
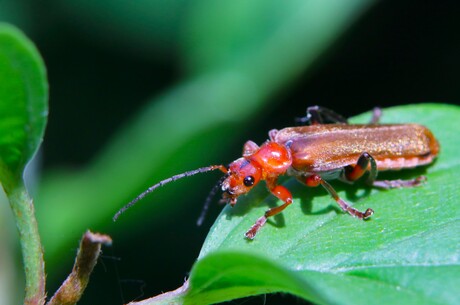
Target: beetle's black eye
{"points": [[248, 181]]}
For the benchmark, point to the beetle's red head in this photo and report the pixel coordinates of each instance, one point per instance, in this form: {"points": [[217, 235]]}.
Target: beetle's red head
{"points": [[242, 176]]}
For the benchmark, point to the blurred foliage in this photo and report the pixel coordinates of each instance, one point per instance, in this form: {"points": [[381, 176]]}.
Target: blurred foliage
{"points": [[144, 90]]}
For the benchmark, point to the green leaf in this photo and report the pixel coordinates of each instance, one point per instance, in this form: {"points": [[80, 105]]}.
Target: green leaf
{"points": [[23, 104], [406, 254]]}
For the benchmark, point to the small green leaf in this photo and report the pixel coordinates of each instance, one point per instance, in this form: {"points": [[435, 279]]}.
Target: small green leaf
{"points": [[23, 104], [406, 254]]}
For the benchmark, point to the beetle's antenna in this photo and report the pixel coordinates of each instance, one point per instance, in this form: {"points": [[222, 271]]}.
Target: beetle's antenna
{"points": [[208, 200], [165, 181]]}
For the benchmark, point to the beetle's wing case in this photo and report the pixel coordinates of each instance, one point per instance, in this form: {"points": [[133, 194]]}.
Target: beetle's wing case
{"points": [[327, 147]]}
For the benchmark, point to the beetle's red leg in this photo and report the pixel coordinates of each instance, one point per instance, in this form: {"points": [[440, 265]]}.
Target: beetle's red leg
{"points": [[281, 193], [315, 180], [353, 173]]}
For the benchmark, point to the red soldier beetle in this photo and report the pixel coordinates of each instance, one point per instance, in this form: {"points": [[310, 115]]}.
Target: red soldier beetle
{"points": [[326, 148]]}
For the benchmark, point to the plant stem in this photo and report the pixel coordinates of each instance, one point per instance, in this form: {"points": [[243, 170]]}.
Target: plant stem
{"points": [[32, 252]]}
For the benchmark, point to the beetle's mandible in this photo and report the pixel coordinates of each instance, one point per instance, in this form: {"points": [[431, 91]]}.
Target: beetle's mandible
{"points": [[326, 148]]}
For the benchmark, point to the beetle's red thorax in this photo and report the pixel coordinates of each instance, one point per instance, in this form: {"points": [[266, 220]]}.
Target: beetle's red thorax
{"points": [[273, 158]]}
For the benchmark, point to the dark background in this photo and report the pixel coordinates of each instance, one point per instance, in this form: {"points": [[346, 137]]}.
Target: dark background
{"points": [[399, 52]]}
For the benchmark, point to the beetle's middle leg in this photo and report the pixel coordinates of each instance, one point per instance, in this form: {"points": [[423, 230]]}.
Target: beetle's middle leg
{"points": [[315, 180], [354, 172]]}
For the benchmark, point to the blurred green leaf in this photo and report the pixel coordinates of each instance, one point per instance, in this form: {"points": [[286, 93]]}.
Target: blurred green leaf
{"points": [[23, 104], [195, 115], [406, 254]]}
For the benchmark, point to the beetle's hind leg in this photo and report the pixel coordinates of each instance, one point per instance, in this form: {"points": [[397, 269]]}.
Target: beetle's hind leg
{"points": [[354, 172]]}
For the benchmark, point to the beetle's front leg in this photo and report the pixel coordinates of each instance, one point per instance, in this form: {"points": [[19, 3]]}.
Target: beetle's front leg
{"points": [[281, 193]]}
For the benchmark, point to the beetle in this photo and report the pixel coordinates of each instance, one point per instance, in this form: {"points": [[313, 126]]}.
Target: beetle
{"points": [[326, 147]]}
